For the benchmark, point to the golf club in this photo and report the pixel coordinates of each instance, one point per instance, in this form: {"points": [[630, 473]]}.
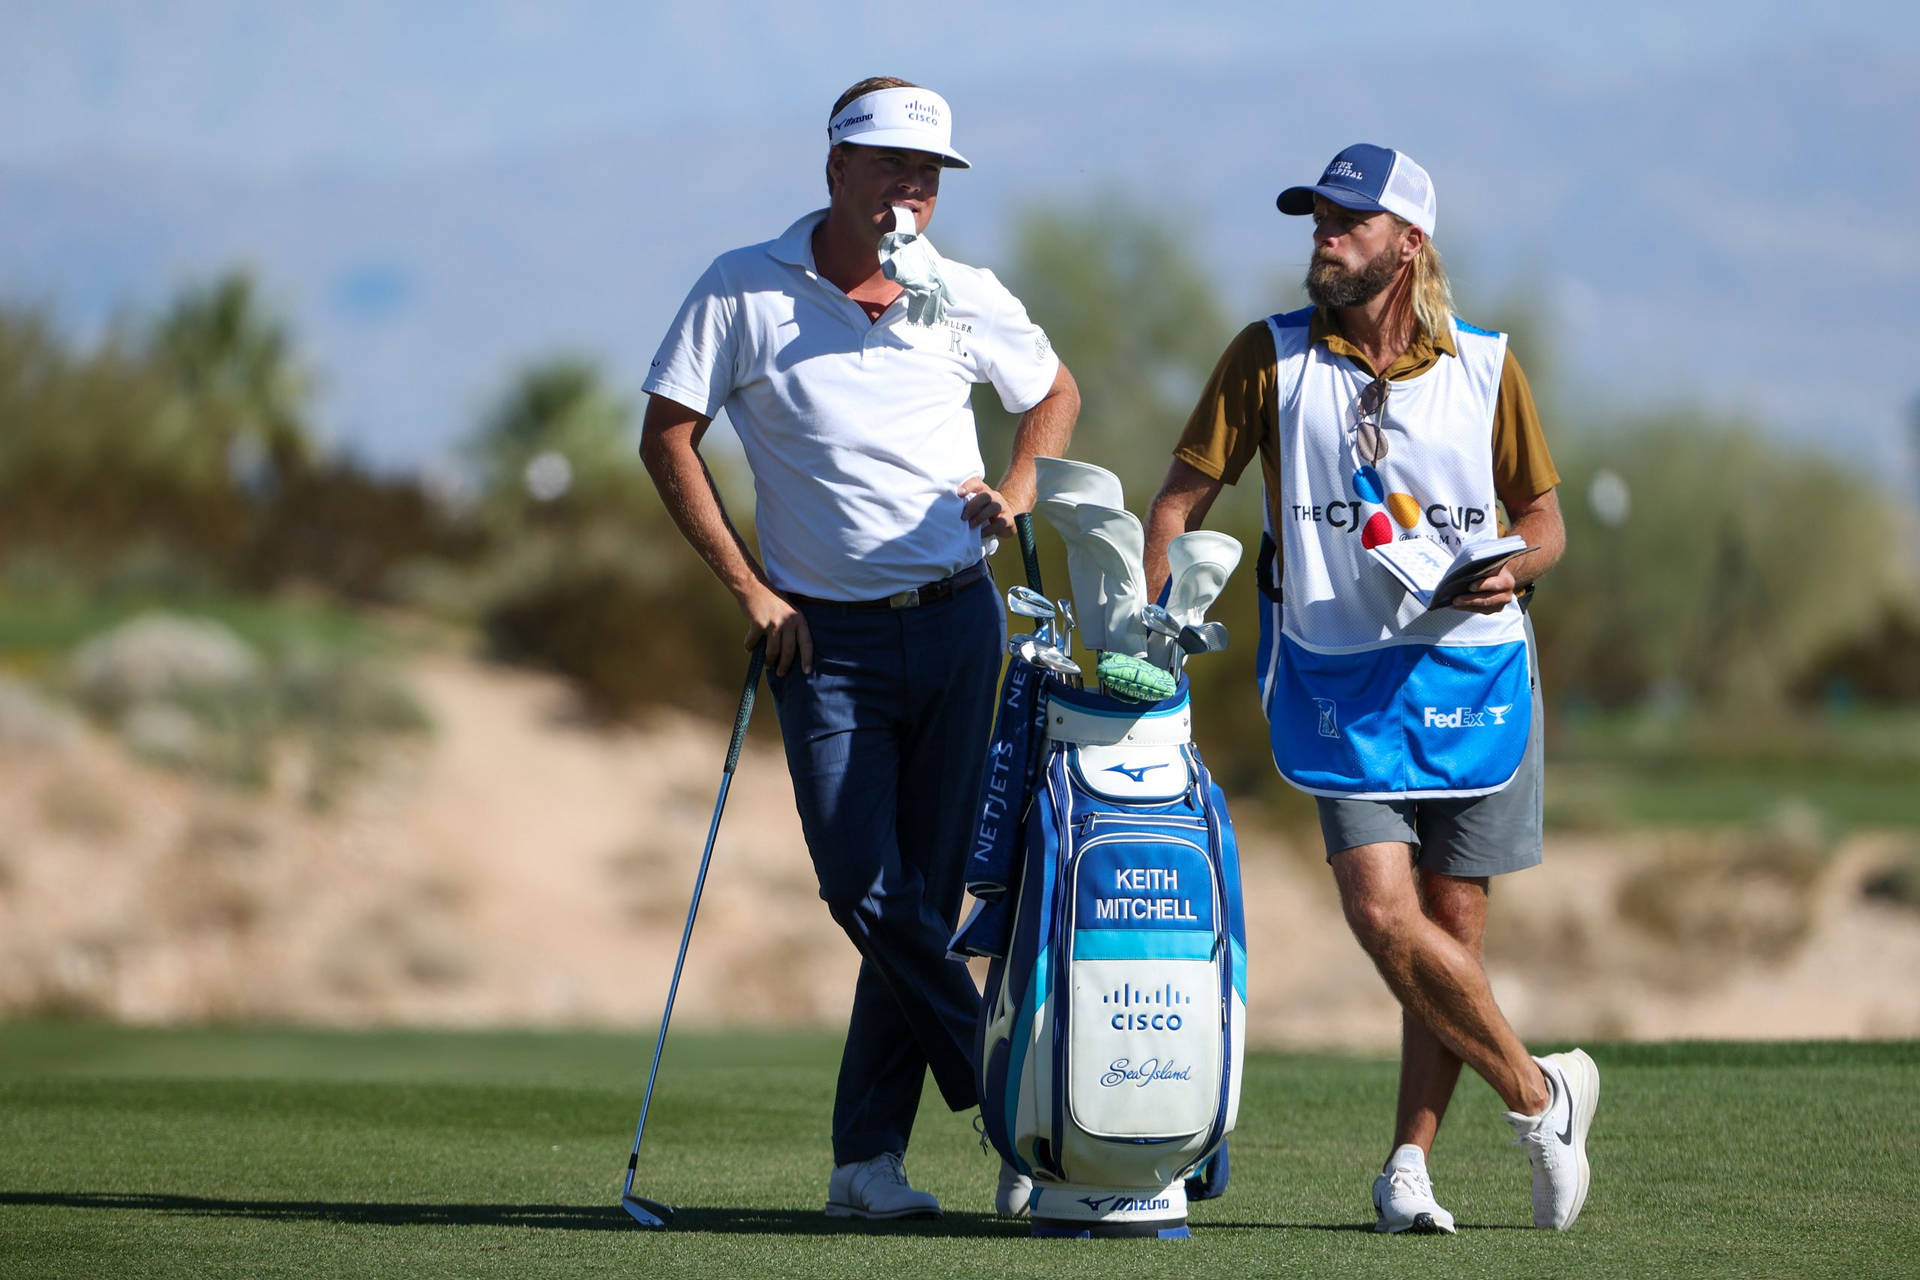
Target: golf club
{"points": [[1029, 550], [1207, 637], [655, 1214], [1051, 659], [1025, 602], [1160, 627]]}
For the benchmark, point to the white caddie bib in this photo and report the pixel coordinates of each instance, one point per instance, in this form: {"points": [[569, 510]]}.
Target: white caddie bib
{"points": [[1369, 695]]}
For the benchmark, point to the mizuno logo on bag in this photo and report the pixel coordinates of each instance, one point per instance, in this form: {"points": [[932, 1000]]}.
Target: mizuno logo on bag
{"points": [[1137, 773]]}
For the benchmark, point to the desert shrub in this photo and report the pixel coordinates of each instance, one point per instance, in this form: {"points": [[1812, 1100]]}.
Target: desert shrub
{"points": [[627, 636], [1896, 881], [1738, 894], [1880, 664]]}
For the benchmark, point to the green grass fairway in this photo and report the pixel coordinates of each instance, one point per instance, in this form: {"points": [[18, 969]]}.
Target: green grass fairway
{"points": [[268, 1153]]}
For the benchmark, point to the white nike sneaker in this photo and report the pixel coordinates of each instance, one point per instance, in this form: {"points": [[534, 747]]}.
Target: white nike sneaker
{"points": [[877, 1188], [1556, 1139], [1403, 1196], [1011, 1195]]}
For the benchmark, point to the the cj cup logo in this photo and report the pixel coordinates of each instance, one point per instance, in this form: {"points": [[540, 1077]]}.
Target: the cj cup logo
{"points": [[1464, 717]]}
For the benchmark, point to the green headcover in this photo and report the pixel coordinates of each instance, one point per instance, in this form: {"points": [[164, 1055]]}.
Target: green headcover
{"points": [[1127, 676]]}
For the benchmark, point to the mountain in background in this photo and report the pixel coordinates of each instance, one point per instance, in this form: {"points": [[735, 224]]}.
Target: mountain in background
{"points": [[1729, 236]]}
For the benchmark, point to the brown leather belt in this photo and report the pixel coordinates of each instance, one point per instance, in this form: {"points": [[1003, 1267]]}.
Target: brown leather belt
{"points": [[911, 598]]}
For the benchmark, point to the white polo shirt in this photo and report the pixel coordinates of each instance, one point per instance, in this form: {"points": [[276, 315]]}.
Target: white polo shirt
{"points": [[858, 433]]}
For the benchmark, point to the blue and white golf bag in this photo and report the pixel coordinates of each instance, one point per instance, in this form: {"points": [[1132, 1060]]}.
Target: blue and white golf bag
{"points": [[1110, 1041]]}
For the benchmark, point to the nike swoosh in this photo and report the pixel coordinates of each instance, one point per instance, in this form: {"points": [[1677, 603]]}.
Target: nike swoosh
{"points": [[1566, 1134]]}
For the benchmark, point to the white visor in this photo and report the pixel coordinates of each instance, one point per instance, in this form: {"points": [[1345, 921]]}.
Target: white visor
{"points": [[913, 119]]}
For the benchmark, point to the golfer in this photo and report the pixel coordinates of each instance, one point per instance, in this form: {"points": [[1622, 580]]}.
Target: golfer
{"points": [[1378, 417], [848, 386]]}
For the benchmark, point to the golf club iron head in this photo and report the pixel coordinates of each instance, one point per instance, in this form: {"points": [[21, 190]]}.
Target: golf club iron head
{"points": [[651, 1214], [1057, 662], [1064, 614], [1028, 603], [1207, 637]]}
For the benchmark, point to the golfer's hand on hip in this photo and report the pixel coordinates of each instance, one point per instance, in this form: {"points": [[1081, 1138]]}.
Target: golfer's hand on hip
{"points": [[986, 510], [783, 627]]}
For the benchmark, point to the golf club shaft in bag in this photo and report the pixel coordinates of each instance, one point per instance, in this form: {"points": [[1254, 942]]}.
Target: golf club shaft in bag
{"points": [[653, 1213], [1029, 551]]}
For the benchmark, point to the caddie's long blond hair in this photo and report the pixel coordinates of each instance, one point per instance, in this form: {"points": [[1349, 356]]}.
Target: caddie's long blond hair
{"points": [[1432, 292]]}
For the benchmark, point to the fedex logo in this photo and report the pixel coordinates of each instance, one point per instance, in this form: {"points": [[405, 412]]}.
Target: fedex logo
{"points": [[1464, 717]]}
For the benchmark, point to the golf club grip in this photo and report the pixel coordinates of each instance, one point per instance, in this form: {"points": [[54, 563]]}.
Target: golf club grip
{"points": [[1029, 553], [745, 713]]}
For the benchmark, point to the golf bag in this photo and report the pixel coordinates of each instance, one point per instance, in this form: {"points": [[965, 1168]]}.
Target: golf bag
{"points": [[1110, 1040]]}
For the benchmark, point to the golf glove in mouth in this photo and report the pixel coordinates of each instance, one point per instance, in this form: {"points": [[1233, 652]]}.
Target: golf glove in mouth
{"points": [[909, 260]]}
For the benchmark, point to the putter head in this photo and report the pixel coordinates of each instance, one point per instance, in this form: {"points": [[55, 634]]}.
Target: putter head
{"points": [[651, 1214]]}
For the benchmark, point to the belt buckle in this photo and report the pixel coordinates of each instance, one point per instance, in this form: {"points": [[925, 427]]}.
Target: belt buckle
{"points": [[904, 599]]}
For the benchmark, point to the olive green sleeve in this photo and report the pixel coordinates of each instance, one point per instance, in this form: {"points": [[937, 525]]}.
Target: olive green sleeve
{"points": [[1522, 466], [1236, 409]]}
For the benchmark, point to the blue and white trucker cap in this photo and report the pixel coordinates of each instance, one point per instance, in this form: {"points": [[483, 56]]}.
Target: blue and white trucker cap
{"points": [[1374, 179], [917, 119]]}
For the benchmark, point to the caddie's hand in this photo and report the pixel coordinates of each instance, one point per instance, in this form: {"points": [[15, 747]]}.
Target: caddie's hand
{"points": [[784, 628], [986, 510], [1490, 594]]}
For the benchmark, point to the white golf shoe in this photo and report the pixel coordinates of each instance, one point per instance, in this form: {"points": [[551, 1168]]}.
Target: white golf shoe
{"points": [[1403, 1197], [1556, 1139], [877, 1188], [1011, 1195]]}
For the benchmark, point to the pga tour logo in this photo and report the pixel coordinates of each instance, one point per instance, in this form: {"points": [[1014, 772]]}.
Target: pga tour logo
{"points": [[1464, 717]]}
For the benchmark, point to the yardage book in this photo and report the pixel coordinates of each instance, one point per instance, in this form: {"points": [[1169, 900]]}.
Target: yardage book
{"points": [[1433, 577]]}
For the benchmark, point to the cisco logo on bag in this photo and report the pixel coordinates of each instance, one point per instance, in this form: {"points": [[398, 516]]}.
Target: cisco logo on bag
{"points": [[1146, 1010]]}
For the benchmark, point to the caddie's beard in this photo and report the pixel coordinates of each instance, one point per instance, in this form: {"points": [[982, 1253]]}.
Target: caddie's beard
{"points": [[1331, 285]]}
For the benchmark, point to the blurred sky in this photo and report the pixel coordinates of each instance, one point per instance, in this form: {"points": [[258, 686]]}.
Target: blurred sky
{"points": [[413, 179], [270, 86]]}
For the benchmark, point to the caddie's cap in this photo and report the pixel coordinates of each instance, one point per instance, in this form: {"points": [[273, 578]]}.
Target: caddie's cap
{"points": [[1374, 179], [916, 119]]}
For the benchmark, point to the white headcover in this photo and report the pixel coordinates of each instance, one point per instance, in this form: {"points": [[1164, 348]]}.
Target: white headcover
{"points": [[1116, 542], [1200, 562], [1072, 481], [916, 119]]}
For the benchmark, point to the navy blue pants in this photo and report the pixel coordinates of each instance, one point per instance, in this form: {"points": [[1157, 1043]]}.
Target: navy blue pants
{"points": [[885, 742]]}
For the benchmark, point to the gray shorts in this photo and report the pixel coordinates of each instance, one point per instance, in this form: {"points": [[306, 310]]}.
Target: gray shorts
{"points": [[1474, 836]]}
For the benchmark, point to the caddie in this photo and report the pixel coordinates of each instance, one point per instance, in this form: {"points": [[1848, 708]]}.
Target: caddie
{"points": [[1378, 415], [844, 352]]}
